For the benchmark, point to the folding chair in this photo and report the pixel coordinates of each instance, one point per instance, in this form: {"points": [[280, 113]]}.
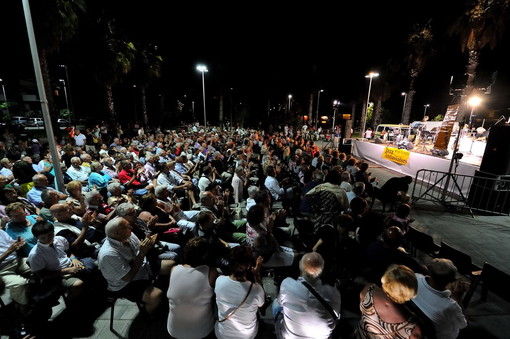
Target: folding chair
{"points": [[494, 280], [111, 299], [418, 240], [460, 259], [306, 233]]}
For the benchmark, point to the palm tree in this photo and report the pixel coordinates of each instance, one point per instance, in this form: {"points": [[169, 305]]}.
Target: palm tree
{"points": [[114, 58], [56, 22], [481, 25], [420, 49], [147, 67], [387, 85]]}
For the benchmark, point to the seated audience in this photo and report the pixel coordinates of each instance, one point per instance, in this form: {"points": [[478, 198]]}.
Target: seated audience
{"points": [[190, 293], [383, 314], [239, 296], [13, 267], [298, 313], [123, 263], [438, 300]]}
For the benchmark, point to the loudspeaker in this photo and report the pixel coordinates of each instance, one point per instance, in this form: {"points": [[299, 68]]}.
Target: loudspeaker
{"points": [[490, 193], [496, 158]]}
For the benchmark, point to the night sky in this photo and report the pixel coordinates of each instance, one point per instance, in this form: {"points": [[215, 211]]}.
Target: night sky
{"points": [[266, 51]]}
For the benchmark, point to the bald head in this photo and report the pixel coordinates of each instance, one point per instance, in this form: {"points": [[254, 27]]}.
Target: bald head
{"points": [[114, 228], [311, 266]]}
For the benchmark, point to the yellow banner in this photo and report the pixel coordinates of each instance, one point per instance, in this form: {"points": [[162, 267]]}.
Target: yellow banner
{"points": [[400, 156]]}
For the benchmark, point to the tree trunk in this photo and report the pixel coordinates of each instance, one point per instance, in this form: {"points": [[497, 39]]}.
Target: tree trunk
{"points": [[349, 123], [473, 57], [145, 115], [110, 102], [48, 88], [363, 119], [409, 99], [376, 119]]}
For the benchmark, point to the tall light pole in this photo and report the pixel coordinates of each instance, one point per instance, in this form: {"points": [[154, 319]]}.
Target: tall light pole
{"points": [[370, 75], [317, 113], [288, 109], [65, 93], [70, 92], [404, 94], [5, 98], [335, 108], [473, 102], [425, 110], [203, 69]]}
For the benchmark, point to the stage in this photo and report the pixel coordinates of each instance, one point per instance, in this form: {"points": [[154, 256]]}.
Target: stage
{"points": [[421, 158]]}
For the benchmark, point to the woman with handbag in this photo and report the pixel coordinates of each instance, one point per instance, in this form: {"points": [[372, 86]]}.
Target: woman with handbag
{"points": [[239, 296]]}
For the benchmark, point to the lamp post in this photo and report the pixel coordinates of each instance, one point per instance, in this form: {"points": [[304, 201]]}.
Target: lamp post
{"points": [[317, 113], [370, 75], [65, 93], [425, 110], [203, 69], [288, 108], [5, 98], [70, 92], [404, 94], [473, 102], [335, 108]]}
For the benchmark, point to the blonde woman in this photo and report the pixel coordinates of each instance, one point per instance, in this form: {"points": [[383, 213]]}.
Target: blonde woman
{"points": [[383, 314]]}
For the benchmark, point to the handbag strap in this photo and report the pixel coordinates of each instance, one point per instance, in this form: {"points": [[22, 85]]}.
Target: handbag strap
{"points": [[242, 302], [323, 302]]}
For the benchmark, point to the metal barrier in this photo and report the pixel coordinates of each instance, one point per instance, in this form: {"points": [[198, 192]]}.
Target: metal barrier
{"points": [[483, 192]]}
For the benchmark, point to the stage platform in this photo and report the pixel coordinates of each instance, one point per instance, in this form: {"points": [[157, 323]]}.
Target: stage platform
{"points": [[421, 158]]}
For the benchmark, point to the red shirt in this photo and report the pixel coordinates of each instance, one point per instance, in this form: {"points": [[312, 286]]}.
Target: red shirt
{"points": [[124, 177]]}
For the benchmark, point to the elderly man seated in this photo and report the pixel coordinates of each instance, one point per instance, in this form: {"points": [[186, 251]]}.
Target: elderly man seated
{"points": [[300, 310], [79, 172], [83, 237], [40, 183], [13, 268], [185, 219], [123, 263], [20, 226]]}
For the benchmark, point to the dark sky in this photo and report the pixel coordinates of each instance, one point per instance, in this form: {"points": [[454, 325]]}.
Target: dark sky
{"points": [[266, 51]]}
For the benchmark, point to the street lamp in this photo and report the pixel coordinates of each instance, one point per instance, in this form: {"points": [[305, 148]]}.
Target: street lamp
{"points": [[65, 93], [404, 94], [473, 102], [425, 110], [336, 103], [370, 75], [70, 92], [290, 97], [203, 69], [5, 97], [317, 113]]}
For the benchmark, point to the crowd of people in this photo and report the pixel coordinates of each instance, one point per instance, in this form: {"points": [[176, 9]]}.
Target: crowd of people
{"points": [[186, 221]]}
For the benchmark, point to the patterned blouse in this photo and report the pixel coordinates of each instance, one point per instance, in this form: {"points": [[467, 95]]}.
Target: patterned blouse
{"points": [[371, 326]]}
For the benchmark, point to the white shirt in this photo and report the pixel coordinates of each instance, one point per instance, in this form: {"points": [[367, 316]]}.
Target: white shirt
{"points": [[229, 295], [304, 316], [444, 312], [274, 188], [80, 139]]}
